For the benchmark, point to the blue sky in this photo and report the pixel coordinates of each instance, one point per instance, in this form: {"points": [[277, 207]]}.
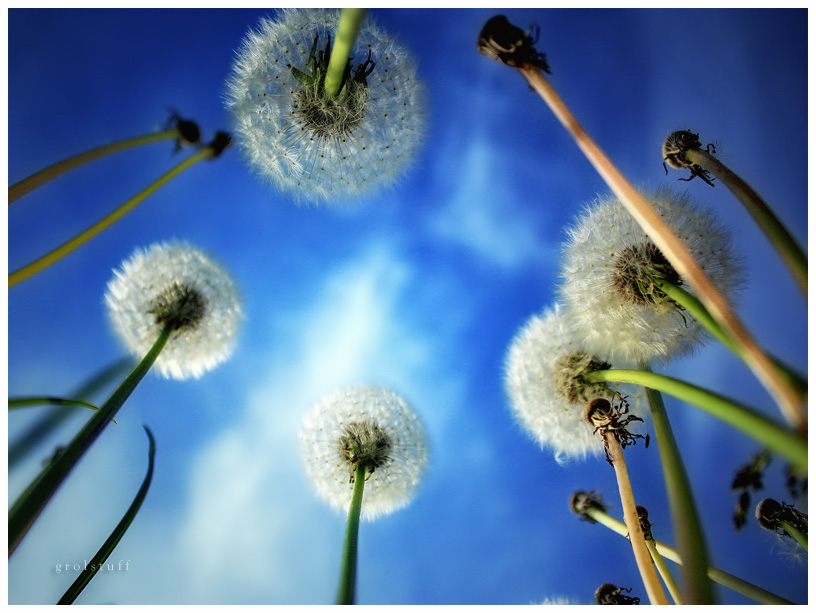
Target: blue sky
{"points": [[420, 289]]}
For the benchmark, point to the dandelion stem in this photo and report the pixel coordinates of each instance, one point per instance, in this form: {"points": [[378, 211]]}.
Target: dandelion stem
{"points": [[701, 314], [29, 506], [790, 445], [720, 576], [348, 566], [671, 246], [797, 535], [665, 574], [57, 254], [790, 251], [347, 30], [40, 178], [630, 516], [687, 530]]}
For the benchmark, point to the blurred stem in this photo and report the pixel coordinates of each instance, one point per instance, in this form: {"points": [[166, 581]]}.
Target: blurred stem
{"points": [[720, 576], [348, 565], [665, 574], [38, 179], [671, 246], [790, 251], [787, 444], [797, 535], [50, 422], [29, 506], [57, 254], [630, 516], [92, 567], [347, 30], [699, 312], [31, 401], [687, 530]]}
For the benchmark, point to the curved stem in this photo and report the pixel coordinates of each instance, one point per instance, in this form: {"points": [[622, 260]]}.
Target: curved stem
{"points": [[688, 532], [29, 506], [778, 235], [347, 30], [701, 314], [720, 576], [30, 401], [672, 247], [38, 179], [60, 252], [790, 445], [348, 565], [630, 516]]}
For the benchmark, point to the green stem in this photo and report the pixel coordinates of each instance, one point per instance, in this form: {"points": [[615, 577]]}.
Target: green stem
{"points": [[348, 566], [697, 310], [790, 251], [799, 536], [687, 530], [720, 576], [30, 401], [347, 30], [665, 574], [38, 179], [29, 506], [787, 444], [92, 567], [60, 252]]}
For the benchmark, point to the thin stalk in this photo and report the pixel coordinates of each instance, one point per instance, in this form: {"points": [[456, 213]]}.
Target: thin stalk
{"points": [[665, 574], [797, 535], [92, 567], [37, 266], [688, 533], [29, 506], [348, 565], [790, 445], [720, 576], [672, 247], [38, 179], [347, 30], [630, 516], [778, 235], [691, 304]]}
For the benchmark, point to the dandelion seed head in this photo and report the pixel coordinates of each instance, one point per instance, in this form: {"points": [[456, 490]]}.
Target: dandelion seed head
{"points": [[371, 426], [608, 260], [311, 147], [177, 285], [542, 380]]}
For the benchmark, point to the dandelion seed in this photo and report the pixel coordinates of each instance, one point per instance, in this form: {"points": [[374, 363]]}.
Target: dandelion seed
{"points": [[612, 274], [317, 147], [174, 284], [370, 427]]}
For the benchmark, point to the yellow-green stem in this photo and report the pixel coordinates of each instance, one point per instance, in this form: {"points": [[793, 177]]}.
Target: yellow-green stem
{"points": [[348, 565], [347, 30], [790, 445], [787, 247], [720, 576], [671, 246], [630, 516], [797, 535], [688, 532], [29, 506], [37, 266], [665, 574], [38, 179]]}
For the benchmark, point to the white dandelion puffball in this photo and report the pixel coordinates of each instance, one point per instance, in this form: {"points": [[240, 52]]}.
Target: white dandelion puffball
{"points": [[607, 252], [177, 285], [313, 147], [371, 425], [541, 371]]}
